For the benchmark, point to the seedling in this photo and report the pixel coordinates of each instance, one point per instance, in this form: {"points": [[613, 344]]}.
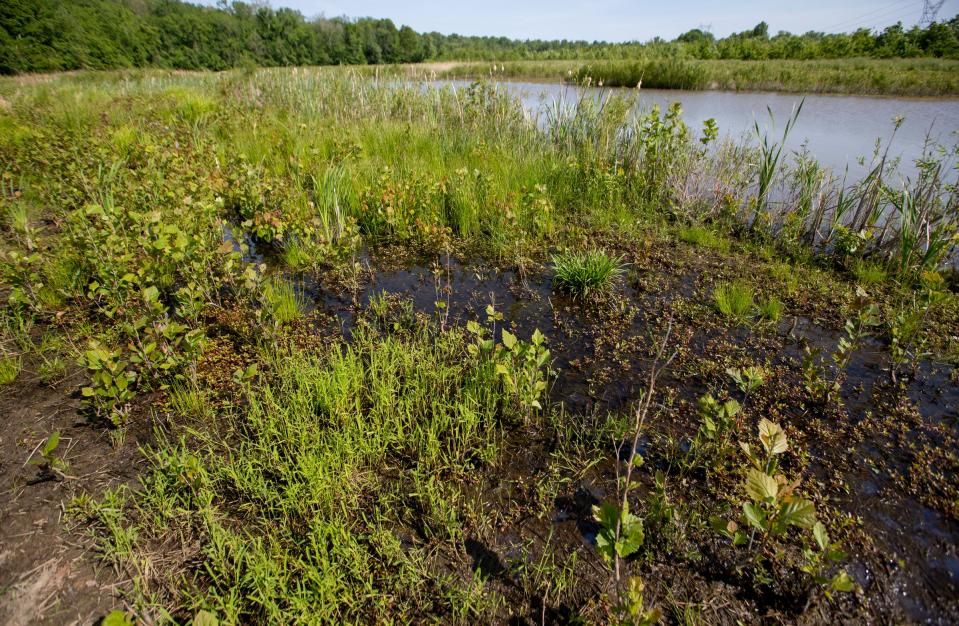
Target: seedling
{"points": [[49, 462]]}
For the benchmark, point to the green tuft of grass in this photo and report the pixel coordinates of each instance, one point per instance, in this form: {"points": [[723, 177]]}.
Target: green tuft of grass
{"points": [[734, 300], [771, 308], [703, 237], [281, 301], [9, 369], [584, 274], [868, 274]]}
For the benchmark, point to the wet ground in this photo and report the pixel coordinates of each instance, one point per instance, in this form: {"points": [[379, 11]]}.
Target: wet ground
{"points": [[882, 467], [885, 462]]}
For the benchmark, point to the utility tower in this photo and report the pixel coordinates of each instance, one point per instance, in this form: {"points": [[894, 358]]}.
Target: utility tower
{"points": [[930, 8]]}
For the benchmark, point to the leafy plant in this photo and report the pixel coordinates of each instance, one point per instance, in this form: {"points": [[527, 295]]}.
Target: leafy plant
{"points": [[49, 462], [111, 383], [815, 378], [521, 367], [587, 273], [631, 609]]}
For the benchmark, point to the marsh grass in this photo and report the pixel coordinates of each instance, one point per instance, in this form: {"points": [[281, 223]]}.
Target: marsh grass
{"points": [[281, 301], [303, 459], [734, 300], [10, 367], [770, 308], [703, 236], [586, 274], [868, 274]]}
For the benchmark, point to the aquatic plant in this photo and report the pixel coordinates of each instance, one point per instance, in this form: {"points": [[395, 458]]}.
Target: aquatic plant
{"points": [[584, 274]]}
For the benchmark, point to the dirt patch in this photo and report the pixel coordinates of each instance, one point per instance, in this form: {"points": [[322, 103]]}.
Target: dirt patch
{"points": [[49, 572]]}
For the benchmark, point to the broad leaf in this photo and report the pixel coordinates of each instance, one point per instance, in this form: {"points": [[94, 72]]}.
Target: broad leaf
{"points": [[761, 486]]}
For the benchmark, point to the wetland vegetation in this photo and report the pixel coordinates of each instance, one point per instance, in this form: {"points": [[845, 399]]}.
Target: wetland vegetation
{"points": [[298, 346]]}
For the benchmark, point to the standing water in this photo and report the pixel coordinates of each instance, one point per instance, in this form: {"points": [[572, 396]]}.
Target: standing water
{"points": [[838, 131]]}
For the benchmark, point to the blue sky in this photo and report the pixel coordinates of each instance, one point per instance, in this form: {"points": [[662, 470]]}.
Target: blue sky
{"points": [[621, 20]]}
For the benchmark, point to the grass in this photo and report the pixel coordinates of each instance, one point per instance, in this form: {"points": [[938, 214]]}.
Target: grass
{"points": [[705, 237], [734, 300], [586, 274], [868, 274], [771, 308], [307, 473], [908, 77], [9, 369], [364, 467], [281, 301]]}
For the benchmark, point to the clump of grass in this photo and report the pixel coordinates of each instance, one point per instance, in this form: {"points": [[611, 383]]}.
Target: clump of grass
{"points": [[786, 274], [734, 300], [704, 237], [9, 369], [296, 254], [771, 308], [867, 273], [584, 274], [281, 302], [189, 401]]}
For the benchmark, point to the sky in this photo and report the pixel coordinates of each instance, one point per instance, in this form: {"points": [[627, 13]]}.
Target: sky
{"points": [[621, 20]]}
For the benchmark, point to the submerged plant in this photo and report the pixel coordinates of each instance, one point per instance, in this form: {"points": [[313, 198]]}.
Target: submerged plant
{"points": [[587, 273]]}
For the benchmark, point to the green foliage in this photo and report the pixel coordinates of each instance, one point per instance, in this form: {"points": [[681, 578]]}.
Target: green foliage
{"points": [[111, 382], [281, 302], [734, 300], [631, 609], [621, 533], [521, 367], [587, 273], [770, 308], [10, 367], [49, 462], [865, 314]]}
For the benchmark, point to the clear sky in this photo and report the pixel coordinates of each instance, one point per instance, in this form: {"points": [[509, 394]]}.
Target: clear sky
{"points": [[621, 20]]}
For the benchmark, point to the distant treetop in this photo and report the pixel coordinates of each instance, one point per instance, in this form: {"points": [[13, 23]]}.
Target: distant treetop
{"points": [[50, 35]]}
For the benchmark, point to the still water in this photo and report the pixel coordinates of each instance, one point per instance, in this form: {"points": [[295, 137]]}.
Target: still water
{"points": [[836, 130]]}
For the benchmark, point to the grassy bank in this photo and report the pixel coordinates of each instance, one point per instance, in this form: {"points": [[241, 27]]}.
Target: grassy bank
{"points": [[899, 77], [324, 350]]}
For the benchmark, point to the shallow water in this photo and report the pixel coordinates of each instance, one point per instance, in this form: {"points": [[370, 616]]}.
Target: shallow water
{"points": [[837, 130]]}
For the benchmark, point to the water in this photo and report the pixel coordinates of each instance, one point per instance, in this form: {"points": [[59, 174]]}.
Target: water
{"points": [[836, 130]]}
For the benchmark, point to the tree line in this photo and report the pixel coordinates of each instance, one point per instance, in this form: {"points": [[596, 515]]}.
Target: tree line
{"points": [[50, 35]]}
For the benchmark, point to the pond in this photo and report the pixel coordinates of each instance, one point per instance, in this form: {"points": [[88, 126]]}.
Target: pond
{"points": [[836, 130]]}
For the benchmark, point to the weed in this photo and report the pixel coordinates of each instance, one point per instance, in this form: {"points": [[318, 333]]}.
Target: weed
{"points": [[770, 308], [587, 273], [734, 300], [49, 462], [9, 369]]}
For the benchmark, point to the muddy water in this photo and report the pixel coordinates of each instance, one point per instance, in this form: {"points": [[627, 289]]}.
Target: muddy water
{"points": [[837, 130], [913, 565]]}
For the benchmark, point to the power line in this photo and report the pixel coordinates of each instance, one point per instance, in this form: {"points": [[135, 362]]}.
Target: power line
{"points": [[930, 8], [872, 15]]}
